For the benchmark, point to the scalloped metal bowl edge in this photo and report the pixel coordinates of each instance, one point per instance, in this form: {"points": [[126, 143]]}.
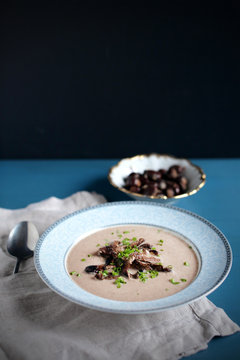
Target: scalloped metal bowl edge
{"points": [[160, 197]]}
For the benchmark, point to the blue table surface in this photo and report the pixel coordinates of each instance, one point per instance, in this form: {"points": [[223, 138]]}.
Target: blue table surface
{"points": [[25, 181]]}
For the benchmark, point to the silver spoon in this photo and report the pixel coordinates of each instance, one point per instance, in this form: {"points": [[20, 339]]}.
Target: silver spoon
{"points": [[21, 242]]}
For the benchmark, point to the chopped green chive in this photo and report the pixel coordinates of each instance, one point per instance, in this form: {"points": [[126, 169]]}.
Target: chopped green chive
{"points": [[126, 242], [153, 248], [105, 273], [142, 276], [127, 252], [83, 259], [106, 242], [98, 245], [186, 263], [134, 239], [159, 263], [89, 255], [172, 281], [153, 274], [160, 241], [119, 281], [120, 236], [115, 272], [126, 232], [190, 247], [183, 280], [112, 233], [74, 273], [161, 250]]}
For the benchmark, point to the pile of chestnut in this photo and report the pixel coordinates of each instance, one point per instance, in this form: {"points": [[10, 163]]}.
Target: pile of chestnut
{"points": [[169, 182]]}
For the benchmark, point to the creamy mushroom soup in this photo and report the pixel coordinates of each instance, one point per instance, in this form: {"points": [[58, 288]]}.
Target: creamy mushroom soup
{"points": [[132, 263]]}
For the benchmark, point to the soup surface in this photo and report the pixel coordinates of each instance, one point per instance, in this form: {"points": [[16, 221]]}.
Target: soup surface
{"points": [[173, 252]]}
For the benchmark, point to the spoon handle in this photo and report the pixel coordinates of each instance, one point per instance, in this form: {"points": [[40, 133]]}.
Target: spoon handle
{"points": [[16, 266]]}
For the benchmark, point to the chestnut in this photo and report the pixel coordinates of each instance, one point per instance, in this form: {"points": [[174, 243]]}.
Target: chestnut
{"points": [[152, 175], [162, 185], [170, 192], [169, 182], [135, 189], [133, 180], [183, 182], [150, 189]]}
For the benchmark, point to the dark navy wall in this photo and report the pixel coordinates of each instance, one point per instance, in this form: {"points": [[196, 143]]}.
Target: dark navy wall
{"points": [[90, 81]]}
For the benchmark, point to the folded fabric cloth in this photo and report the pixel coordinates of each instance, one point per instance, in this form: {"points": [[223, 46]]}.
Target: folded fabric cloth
{"points": [[37, 323]]}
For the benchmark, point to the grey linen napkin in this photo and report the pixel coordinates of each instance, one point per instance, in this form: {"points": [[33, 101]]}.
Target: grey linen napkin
{"points": [[36, 323]]}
